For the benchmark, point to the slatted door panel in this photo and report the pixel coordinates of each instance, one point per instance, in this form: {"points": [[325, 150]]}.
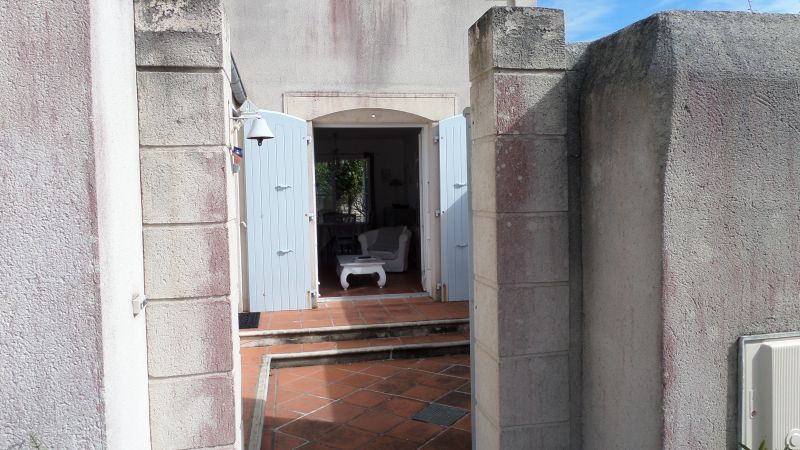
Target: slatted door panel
{"points": [[277, 196], [454, 205]]}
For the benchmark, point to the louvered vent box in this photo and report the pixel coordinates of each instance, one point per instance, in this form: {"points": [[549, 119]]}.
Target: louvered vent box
{"points": [[769, 391]]}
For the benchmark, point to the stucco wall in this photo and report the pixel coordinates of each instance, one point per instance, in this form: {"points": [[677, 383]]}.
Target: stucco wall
{"points": [[731, 213], [690, 220], [381, 46], [72, 367], [625, 132]]}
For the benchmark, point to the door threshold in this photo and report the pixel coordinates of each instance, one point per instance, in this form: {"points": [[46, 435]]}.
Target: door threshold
{"points": [[374, 297]]}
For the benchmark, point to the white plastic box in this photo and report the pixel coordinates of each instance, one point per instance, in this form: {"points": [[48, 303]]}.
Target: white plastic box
{"points": [[769, 391]]}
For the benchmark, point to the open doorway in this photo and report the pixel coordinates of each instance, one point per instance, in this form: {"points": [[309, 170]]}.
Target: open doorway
{"points": [[368, 204]]}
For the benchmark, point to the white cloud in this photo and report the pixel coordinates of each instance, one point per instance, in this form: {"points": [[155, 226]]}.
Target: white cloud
{"points": [[585, 19]]}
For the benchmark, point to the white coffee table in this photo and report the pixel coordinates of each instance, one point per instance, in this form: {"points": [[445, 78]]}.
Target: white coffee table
{"points": [[351, 264]]}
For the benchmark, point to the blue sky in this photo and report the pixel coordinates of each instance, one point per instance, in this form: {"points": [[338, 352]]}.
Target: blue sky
{"points": [[590, 19]]}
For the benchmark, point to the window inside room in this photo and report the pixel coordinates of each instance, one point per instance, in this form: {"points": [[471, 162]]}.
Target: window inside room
{"points": [[342, 189]]}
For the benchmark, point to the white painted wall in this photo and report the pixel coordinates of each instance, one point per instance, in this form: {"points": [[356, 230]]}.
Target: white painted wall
{"points": [[119, 218], [72, 356], [377, 46]]}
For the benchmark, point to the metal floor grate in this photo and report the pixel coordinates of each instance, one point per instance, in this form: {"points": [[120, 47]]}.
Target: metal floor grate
{"points": [[440, 414], [249, 320]]}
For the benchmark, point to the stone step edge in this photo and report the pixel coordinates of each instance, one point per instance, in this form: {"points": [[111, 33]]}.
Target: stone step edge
{"points": [[342, 328], [257, 421], [361, 350]]}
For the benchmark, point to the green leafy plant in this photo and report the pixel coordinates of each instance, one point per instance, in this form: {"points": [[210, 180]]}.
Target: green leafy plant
{"points": [[350, 184], [762, 446], [35, 443]]}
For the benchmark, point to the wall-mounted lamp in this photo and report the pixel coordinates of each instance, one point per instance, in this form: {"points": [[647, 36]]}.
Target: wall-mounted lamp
{"points": [[259, 131]]}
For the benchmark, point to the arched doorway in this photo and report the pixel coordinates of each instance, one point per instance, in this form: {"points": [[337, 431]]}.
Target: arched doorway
{"points": [[370, 176]]}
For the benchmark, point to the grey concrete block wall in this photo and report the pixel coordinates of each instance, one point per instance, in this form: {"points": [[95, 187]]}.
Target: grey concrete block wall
{"points": [[178, 336], [690, 137], [188, 197], [181, 35], [174, 108], [520, 201], [186, 185], [192, 412], [186, 261]]}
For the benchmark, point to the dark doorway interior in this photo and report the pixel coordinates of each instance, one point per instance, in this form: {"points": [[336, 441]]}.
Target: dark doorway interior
{"points": [[367, 185]]}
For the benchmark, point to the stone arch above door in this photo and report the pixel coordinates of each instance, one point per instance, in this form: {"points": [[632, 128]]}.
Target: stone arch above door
{"points": [[360, 108]]}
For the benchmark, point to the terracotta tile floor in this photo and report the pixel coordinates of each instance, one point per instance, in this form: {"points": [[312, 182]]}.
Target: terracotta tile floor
{"points": [[365, 405], [364, 312], [396, 283]]}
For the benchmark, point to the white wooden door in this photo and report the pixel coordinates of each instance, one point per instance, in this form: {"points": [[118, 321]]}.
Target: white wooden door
{"points": [[277, 182], [454, 208]]}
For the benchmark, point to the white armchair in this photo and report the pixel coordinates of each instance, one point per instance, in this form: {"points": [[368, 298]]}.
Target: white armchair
{"points": [[377, 246]]}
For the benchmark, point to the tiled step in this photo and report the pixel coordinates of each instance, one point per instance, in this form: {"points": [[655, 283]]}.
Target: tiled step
{"points": [[361, 312], [337, 352], [258, 338]]}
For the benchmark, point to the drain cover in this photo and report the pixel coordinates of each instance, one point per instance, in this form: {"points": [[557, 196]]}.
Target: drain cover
{"points": [[440, 414], [248, 320]]}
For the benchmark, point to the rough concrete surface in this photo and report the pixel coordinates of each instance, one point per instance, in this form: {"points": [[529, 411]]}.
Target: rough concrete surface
{"points": [[530, 103], [544, 255], [196, 412], [520, 220], [182, 108], [518, 38], [184, 34], [731, 214], [189, 337], [690, 220], [186, 185], [190, 215], [73, 356], [186, 261], [576, 70], [625, 120]]}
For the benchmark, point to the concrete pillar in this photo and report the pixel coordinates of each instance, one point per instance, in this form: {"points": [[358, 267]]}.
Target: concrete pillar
{"points": [[520, 204], [188, 209]]}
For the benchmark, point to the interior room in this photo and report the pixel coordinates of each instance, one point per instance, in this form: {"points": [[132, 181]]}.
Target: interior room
{"points": [[367, 194]]}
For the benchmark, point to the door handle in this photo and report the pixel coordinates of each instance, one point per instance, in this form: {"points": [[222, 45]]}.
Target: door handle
{"points": [[284, 252], [459, 185], [282, 187], [462, 245]]}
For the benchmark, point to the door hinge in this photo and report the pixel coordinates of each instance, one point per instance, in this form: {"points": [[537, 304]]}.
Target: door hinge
{"points": [[138, 303], [307, 139], [437, 213], [436, 139], [313, 296]]}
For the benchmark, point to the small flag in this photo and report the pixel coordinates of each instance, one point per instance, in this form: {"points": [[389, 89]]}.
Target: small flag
{"points": [[238, 154]]}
